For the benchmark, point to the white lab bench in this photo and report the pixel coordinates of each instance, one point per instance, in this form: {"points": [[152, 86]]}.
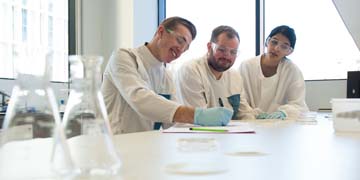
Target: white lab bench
{"points": [[278, 150]]}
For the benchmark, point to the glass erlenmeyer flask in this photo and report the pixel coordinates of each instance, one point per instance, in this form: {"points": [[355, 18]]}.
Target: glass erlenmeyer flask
{"points": [[32, 144], [86, 122]]}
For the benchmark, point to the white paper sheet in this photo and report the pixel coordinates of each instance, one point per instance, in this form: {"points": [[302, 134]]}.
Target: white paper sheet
{"points": [[232, 127]]}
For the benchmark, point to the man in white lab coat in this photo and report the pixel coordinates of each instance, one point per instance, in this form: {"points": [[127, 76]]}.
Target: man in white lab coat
{"points": [[274, 85], [136, 83], [208, 81]]}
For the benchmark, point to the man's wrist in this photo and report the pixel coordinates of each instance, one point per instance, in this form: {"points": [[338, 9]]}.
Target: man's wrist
{"points": [[184, 114]]}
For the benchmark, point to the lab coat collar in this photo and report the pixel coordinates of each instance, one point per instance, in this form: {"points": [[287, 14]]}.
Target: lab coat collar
{"points": [[261, 75], [148, 58]]}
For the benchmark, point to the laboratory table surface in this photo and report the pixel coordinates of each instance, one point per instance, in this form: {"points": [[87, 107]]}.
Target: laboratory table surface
{"points": [[278, 150]]}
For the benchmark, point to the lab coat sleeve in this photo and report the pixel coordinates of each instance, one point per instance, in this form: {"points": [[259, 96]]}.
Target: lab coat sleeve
{"points": [[129, 77], [250, 84], [172, 86], [173, 96], [245, 110], [295, 105], [190, 86]]}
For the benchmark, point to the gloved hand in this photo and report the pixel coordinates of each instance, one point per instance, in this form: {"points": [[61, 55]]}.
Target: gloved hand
{"points": [[262, 115], [217, 116], [274, 115]]}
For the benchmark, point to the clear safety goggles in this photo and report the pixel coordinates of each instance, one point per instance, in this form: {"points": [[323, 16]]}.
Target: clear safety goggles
{"points": [[285, 47], [179, 39], [224, 50]]}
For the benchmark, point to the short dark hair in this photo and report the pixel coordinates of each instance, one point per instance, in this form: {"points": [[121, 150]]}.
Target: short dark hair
{"points": [[172, 22], [230, 32], [286, 31]]}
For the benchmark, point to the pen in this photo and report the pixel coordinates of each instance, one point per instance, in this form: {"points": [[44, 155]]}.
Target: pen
{"points": [[207, 129], [221, 103], [205, 97]]}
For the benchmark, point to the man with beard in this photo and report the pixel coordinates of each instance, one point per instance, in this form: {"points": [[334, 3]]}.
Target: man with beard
{"points": [[274, 85], [207, 81]]}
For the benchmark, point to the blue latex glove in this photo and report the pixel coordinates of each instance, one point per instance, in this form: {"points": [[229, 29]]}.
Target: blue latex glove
{"points": [[262, 115], [217, 116], [274, 115]]}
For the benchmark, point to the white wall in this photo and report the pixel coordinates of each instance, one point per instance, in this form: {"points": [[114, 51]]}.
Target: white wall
{"points": [[320, 93], [99, 24], [110, 24]]}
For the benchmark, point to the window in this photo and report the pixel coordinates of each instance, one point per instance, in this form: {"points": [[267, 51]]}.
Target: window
{"points": [[206, 16], [322, 38], [31, 25]]}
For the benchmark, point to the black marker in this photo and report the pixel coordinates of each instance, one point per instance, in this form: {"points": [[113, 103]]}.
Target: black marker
{"points": [[221, 103]]}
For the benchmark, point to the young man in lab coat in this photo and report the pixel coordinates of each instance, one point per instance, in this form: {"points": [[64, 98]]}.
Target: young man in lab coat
{"points": [[208, 81], [136, 85], [274, 85]]}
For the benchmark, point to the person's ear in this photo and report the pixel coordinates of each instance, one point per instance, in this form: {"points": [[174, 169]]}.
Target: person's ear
{"points": [[160, 31], [266, 42], [208, 46], [290, 51]]}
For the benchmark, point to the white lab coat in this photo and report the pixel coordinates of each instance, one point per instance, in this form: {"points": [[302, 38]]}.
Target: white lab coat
{"points": [[197, 86], [132, 80], [283, 91]]}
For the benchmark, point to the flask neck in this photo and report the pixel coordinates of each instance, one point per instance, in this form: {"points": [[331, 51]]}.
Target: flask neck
{"points": [[31, 82], [86, 85], [86, 73]]}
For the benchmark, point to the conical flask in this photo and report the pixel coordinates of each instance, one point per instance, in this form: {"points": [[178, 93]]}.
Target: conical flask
{"points": [[32, 143], [86, 122]]}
